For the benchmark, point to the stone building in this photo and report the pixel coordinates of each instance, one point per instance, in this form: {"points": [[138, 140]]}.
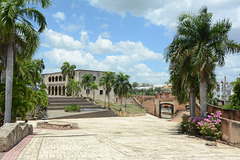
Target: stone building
{"points": [[56, 84]]}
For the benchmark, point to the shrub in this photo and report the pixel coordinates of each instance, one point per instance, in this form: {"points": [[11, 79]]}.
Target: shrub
{"points": [[74, 108], [209, 126]]}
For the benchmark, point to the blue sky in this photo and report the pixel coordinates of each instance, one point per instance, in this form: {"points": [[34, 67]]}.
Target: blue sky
{"points": [[126, 36]]}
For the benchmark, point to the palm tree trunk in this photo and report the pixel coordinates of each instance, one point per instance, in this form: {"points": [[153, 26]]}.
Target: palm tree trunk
{"points": [[120, 104], [87, 92], [9, 85], [108, 100], [105, 100], [125, 104], [3, 75], [72, 97], [203, 94], [192, 102], [93, 95]]}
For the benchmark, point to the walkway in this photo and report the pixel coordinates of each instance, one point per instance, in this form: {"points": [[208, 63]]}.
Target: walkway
{"points": [[134, 138]]}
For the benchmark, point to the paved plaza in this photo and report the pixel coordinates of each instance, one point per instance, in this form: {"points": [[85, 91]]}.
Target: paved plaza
{"points": [[120, 138]]}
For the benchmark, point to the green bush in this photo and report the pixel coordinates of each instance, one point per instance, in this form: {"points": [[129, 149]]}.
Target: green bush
{"points": [[74, 108]]}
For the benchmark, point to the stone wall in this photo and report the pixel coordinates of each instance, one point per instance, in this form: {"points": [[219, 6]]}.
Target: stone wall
{"points": [[230, 130], [226, 113], [230, 122], [148, 103], [12, 133]]}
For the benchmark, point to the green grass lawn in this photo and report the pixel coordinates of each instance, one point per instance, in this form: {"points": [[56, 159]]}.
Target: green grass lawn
{"points": [[130, 107]]}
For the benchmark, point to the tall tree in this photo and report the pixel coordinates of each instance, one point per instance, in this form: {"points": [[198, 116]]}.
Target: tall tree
{"points": [[73, 88], [68, 69], [209, 44], [122, 86], [87, 80], [135, 84], [184, 79], [107, 81], [94, 86], [18, 36], [127, 96]]}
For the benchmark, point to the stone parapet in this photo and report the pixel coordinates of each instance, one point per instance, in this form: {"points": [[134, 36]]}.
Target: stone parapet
{"points": [[12, 133], [230, 130], [126, 114]]}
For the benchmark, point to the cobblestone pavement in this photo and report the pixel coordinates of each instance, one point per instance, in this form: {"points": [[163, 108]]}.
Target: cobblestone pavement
{"points": [[120, 138]]}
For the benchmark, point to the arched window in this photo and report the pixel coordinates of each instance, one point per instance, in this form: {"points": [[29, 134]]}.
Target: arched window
{"points": [[56, 78], [49, 90], [49, 79], [59, 88], [60, 78], [52, 79], [55, 90], [52, 90], [64, 90]]}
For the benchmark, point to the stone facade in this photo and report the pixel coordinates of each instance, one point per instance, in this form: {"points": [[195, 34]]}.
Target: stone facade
{"points": [[56, 84]]}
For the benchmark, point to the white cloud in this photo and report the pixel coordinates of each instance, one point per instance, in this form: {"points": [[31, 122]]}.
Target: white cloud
{"points": [[105, 35], [231, 68], [101, 46], [58, 40], [59, 16], [127, 55], [71, 27], [104, 26], [165, 13]]}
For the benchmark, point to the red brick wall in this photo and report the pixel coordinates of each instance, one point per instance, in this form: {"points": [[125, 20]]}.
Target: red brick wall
{"points": [[148, 103]]}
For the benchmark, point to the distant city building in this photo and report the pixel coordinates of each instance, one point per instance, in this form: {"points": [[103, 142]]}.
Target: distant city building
{"points": [[56, 84], [219, 91]]}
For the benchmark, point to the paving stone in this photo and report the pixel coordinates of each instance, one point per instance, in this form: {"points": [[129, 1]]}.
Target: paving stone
{"points": [[120, 138]]}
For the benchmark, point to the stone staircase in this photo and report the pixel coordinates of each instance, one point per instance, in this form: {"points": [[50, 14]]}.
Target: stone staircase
{"points": [[88, 110], [58, 103]]}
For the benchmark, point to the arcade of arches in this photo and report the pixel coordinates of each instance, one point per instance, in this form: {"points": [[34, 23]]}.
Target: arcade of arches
{"points": [[56, 89]]}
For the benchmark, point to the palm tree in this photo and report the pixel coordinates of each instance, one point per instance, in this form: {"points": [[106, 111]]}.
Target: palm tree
{"points": [[94, 86], [107, 81], [18, 36], [68, 69], [87, 80], [127, 96], [122, 86], [73, 88], [184, 79], [209, 44]]}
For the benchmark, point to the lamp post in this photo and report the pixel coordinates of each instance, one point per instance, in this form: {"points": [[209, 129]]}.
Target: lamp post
{"points": [[224, 90]]}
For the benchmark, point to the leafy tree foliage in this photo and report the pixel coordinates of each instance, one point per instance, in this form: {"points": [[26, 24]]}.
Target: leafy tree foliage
{"points": [[68, 69], [94, 87], [234, 99], [122, 86], [107, 81], [73, 88], [25, 96], [87, 80], [206, 42], [18, 37]]}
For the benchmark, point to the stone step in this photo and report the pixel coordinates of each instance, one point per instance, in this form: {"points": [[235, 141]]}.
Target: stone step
{"points": [[69, 100], [75, 103], [84, 107], [105, 113], [65, 97]]}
